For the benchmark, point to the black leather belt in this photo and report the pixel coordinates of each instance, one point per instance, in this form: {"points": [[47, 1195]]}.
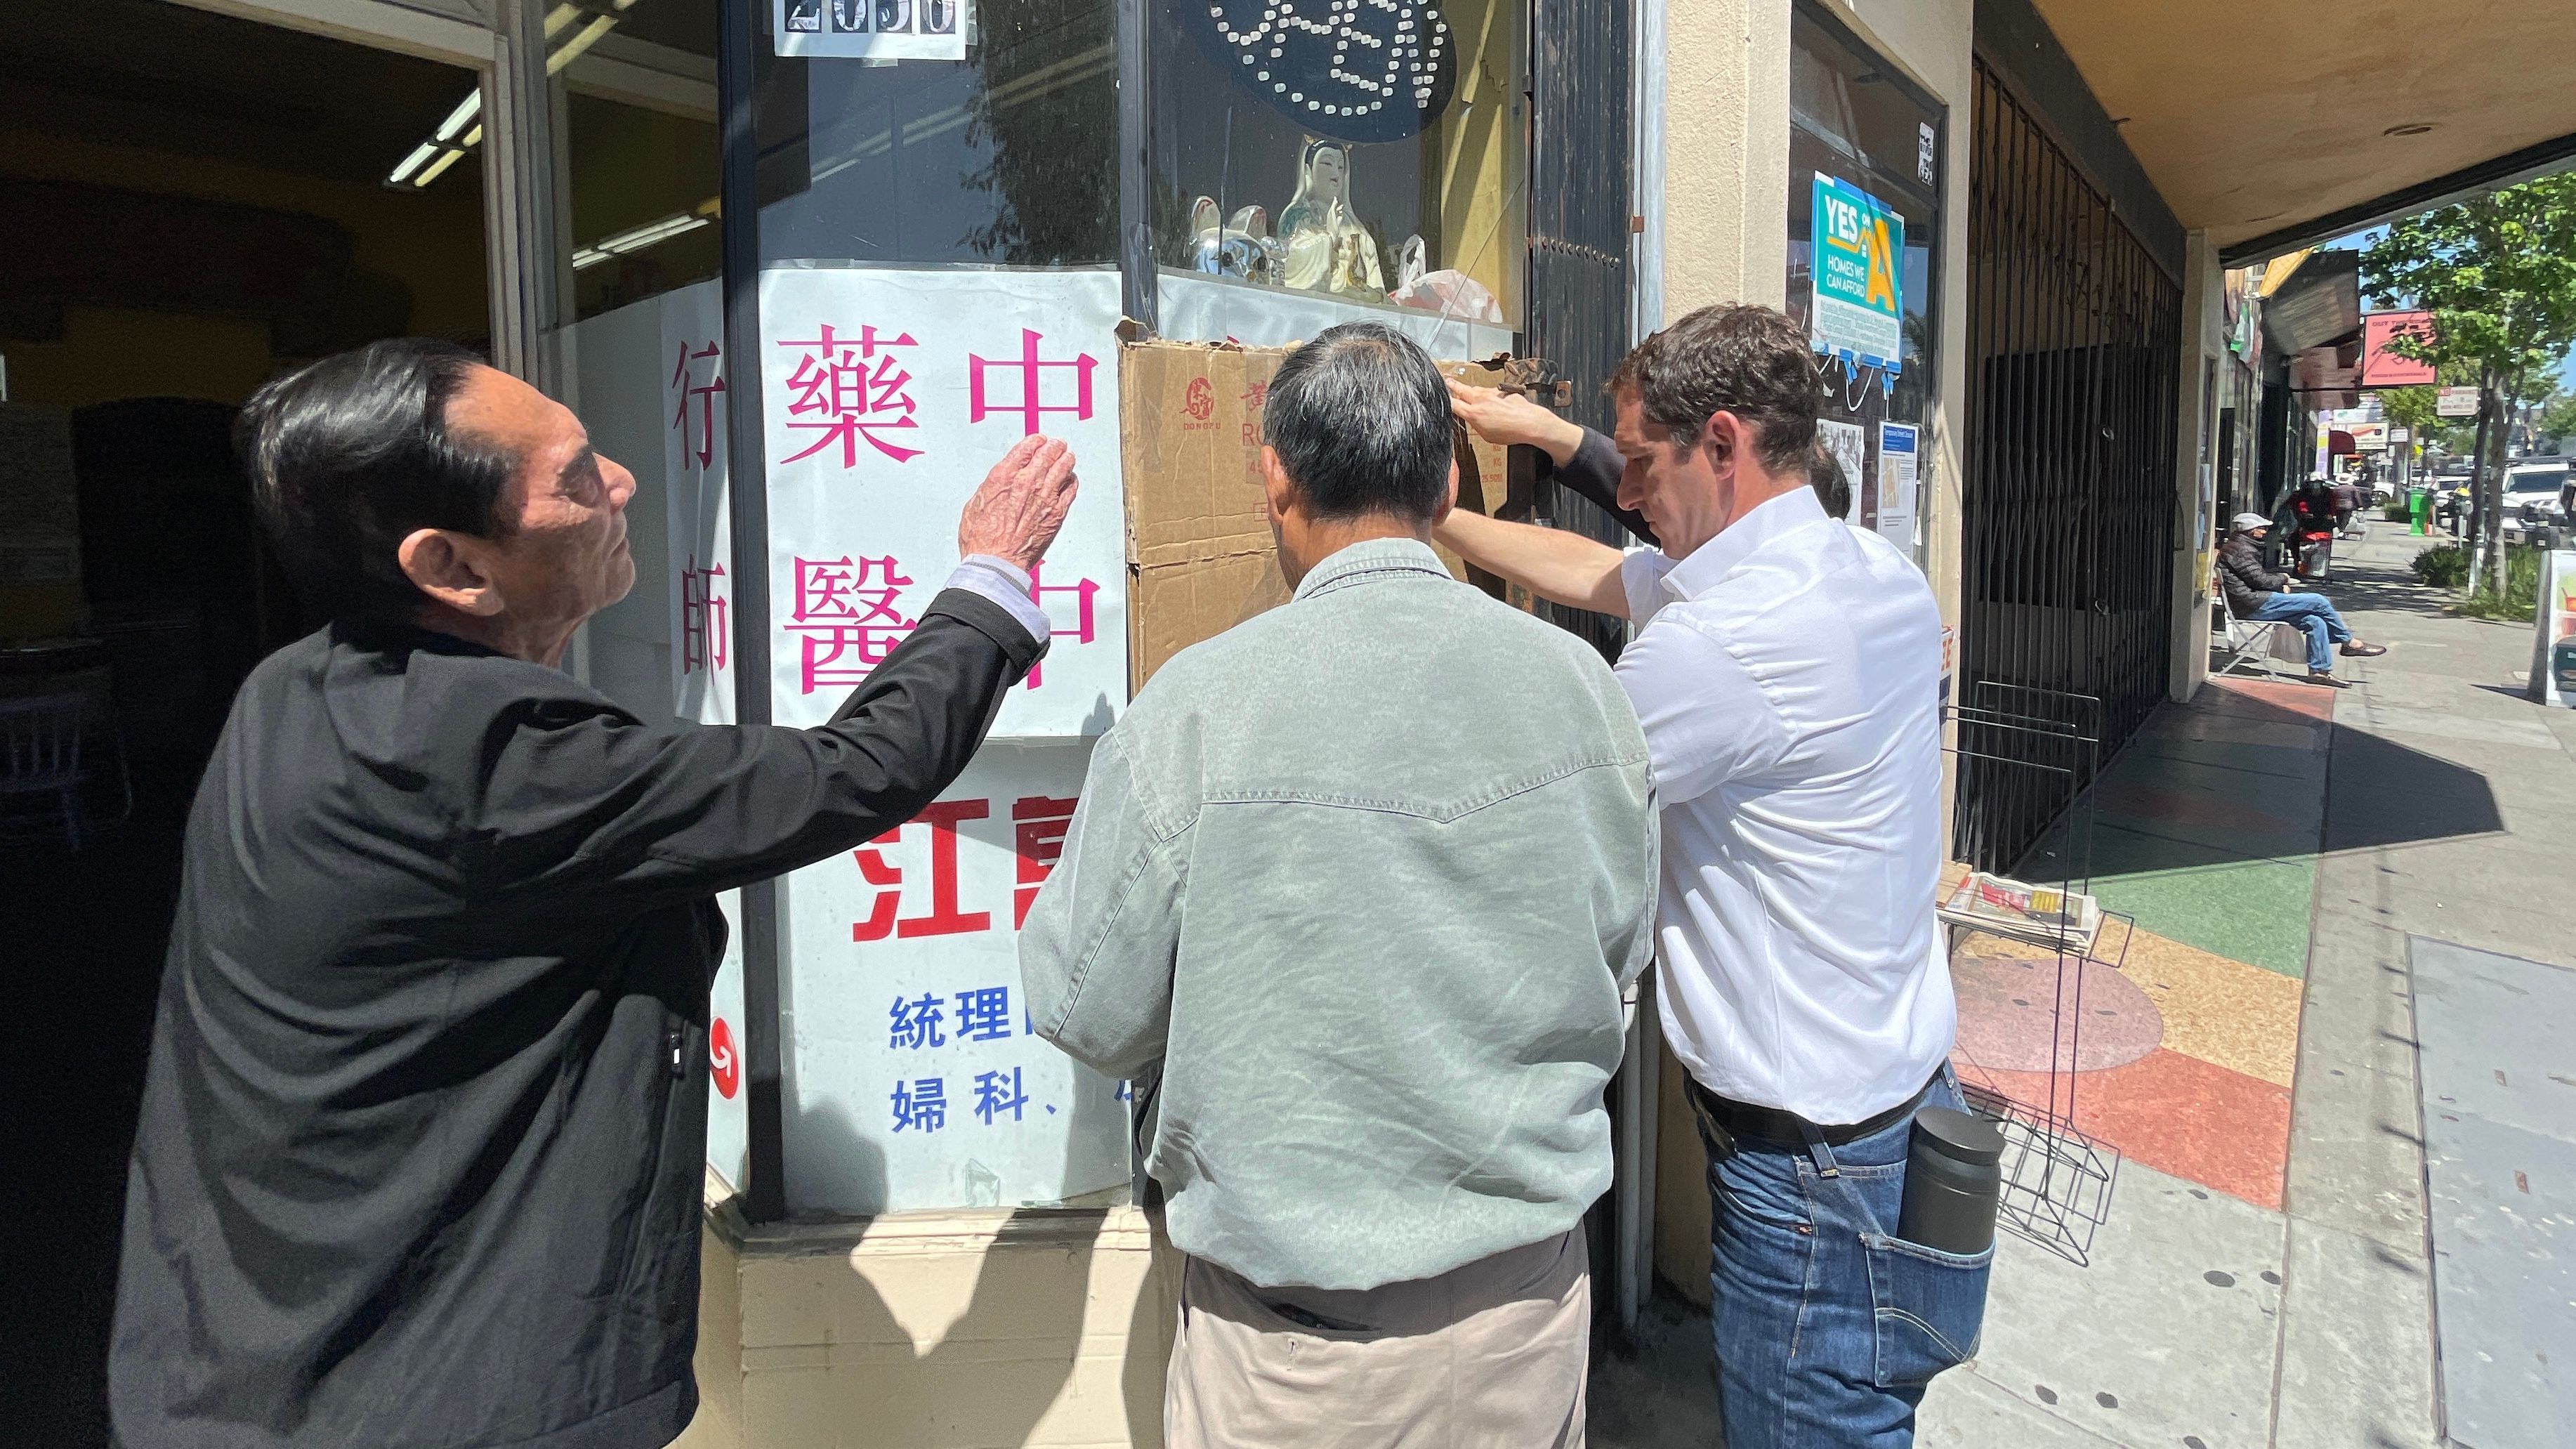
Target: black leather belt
{"points": [[1770, 1124]]}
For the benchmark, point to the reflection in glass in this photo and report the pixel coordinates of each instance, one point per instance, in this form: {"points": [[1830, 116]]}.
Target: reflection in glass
{"points": [[1007, 156]]}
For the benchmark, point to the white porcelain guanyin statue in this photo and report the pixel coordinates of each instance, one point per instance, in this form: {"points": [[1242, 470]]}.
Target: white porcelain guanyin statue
{"points": [[1328, 250]]}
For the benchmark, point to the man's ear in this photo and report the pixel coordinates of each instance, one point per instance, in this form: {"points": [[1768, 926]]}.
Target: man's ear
{"points": [[1277, 492], [447, 567], [1448, 500], [1722, 439]]}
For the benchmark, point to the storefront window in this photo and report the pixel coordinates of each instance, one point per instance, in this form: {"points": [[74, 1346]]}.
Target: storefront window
{"points": [[1004, 156], [1864, 226], [1372, 156], [635, 108], [938, 233]]}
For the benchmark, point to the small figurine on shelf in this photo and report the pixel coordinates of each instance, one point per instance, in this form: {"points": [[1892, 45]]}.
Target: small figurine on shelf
{"points": [[1449, 292], [1327, 249], [1240, 248]]}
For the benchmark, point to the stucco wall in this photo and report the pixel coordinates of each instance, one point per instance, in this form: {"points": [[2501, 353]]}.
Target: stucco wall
{"points": [[968, 1330]]}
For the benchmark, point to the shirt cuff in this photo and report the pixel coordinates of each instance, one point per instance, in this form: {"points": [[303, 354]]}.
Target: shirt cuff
{"points": [[1006, 584]]}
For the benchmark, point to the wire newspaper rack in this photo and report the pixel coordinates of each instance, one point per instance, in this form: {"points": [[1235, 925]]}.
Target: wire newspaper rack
{"points": [[2038, 750]]}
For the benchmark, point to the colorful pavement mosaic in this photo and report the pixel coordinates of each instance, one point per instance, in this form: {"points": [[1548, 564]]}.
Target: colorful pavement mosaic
{"points": [[2206, 832]]}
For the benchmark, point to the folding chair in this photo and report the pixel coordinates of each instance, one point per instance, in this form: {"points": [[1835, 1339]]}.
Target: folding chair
{"points": [[2244, 639]]}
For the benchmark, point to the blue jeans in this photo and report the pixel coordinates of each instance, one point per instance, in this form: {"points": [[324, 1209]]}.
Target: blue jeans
{"points": [[2313, 613], [1828, 1326]]}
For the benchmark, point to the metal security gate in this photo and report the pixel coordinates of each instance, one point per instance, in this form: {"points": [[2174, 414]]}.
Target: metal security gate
{"points": [[2067, 529], [1579, 236]]}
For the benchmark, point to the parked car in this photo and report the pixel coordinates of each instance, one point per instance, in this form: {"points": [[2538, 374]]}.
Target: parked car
{"points": [[2531, 493]]}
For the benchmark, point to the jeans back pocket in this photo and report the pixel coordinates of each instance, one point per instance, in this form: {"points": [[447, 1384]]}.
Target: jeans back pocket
{"points": [[1929, 1307]]}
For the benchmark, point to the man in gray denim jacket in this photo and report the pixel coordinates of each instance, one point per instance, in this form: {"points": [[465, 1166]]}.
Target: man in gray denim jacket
{"points": [[1353, 893]]}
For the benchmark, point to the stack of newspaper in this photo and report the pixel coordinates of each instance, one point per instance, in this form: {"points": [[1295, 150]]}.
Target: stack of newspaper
{"points": [[2040, 915]]}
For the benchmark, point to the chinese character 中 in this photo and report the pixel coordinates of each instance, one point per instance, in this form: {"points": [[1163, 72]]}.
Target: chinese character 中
{"points": [[944, 918], [848, 389], [915, 1024], [993, 1099], [922, 1105], [838, 614], [1037, 835], [703, 394], [702, 618], [1030, 388], [984, 1014], [1084, 626]]}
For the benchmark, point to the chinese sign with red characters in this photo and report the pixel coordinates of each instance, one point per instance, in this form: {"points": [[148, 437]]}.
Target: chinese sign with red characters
{"points": [[888, 395], [919, 1080], [696, 405]]}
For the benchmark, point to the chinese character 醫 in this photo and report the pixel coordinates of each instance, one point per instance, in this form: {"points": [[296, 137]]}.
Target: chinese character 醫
{"points": [[847, 627]]}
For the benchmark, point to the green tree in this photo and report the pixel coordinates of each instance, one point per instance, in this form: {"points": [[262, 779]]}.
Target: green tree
{"points": [[2557, 423], [2498, 273]]}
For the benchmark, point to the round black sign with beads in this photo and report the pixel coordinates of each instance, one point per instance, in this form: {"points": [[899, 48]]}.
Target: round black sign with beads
{"points": [[1349, 70]]}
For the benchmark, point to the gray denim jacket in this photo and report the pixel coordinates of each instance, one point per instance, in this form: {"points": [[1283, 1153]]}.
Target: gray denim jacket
{"points": [[1363, 878]]}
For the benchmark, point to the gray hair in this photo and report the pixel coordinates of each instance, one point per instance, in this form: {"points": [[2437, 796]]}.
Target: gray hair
{"points": [[1362, 423]]}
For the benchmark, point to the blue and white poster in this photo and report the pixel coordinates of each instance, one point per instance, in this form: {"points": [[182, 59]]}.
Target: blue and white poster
{"points": [[1857, 309]]}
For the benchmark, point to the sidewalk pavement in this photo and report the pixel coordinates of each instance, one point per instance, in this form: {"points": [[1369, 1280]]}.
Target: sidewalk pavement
{"points": [[2302, 865]]}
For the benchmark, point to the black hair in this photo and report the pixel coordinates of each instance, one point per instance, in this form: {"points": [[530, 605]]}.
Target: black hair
{"points": [[351, 454], [1362, 424], [1751, 361]]}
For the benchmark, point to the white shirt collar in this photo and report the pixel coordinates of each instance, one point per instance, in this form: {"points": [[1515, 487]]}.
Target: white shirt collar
{"points": [[1715, 559]]}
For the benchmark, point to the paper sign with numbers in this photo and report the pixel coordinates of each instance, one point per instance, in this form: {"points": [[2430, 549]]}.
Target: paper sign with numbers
{"points": [[888, 395], [918, 1081]]}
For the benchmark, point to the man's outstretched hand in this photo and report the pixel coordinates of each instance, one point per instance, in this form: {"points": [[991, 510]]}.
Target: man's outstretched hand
{"points": [[1022, 504]]}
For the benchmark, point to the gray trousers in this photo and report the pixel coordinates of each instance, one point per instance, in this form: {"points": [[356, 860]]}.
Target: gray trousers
{"points": [[1493, 1353]]}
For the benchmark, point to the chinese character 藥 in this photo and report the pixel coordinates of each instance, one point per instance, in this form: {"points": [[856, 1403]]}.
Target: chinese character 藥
{"points": [[992, 1098], [702, 618], [1083, 626], [944, 918], [684, 381], [838, 614], [848, 389], [915, 1024], [1030, 404], [922, 1105], [1037, 836], [984, 1014]]}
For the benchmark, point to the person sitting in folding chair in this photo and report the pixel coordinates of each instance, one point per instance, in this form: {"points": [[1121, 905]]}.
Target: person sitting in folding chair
{"points": [[2254, 592]]}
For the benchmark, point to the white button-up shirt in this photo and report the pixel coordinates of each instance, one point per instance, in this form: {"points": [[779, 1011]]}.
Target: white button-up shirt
{"points": [[1787, 674]]}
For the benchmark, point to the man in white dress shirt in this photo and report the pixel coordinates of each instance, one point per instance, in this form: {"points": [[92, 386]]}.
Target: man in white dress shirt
{"points": [[1786, 669]]}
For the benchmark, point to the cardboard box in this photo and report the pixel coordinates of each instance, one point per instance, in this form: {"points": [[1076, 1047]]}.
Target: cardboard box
{"points": [[1200, 558]]}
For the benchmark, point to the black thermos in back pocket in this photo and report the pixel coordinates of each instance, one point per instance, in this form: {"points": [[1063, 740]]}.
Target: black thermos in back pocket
{"points": [[1953, 1178]]}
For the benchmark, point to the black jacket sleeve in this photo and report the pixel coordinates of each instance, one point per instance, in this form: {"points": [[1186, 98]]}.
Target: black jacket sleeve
{"points": [[580, 799], [2242, 577], [1594, 472]]}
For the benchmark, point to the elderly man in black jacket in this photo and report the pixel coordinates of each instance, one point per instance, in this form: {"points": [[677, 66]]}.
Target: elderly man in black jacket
{"points": [[2255, 592], [419, 1160]]}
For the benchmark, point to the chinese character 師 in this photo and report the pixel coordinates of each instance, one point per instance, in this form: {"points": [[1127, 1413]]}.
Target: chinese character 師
{"points": [[1084, 626], [915, 1024], [984, 1014], [847, 626], [696, 424], [992, 1098], [847, 389], [922, 1105], [944, 919], [702, 618], [1030, 404], [1037, 837]]}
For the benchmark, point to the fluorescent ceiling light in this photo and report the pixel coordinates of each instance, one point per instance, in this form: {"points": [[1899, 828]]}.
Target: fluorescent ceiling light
{"points": [[636, 239], [565, 41]]}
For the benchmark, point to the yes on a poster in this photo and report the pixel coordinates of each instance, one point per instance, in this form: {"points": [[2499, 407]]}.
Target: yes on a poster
{"points": [[1856, 308]]}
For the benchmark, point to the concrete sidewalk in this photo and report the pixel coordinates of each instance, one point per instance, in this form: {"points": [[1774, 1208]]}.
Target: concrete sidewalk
{"points": [[2267, 1272]]}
